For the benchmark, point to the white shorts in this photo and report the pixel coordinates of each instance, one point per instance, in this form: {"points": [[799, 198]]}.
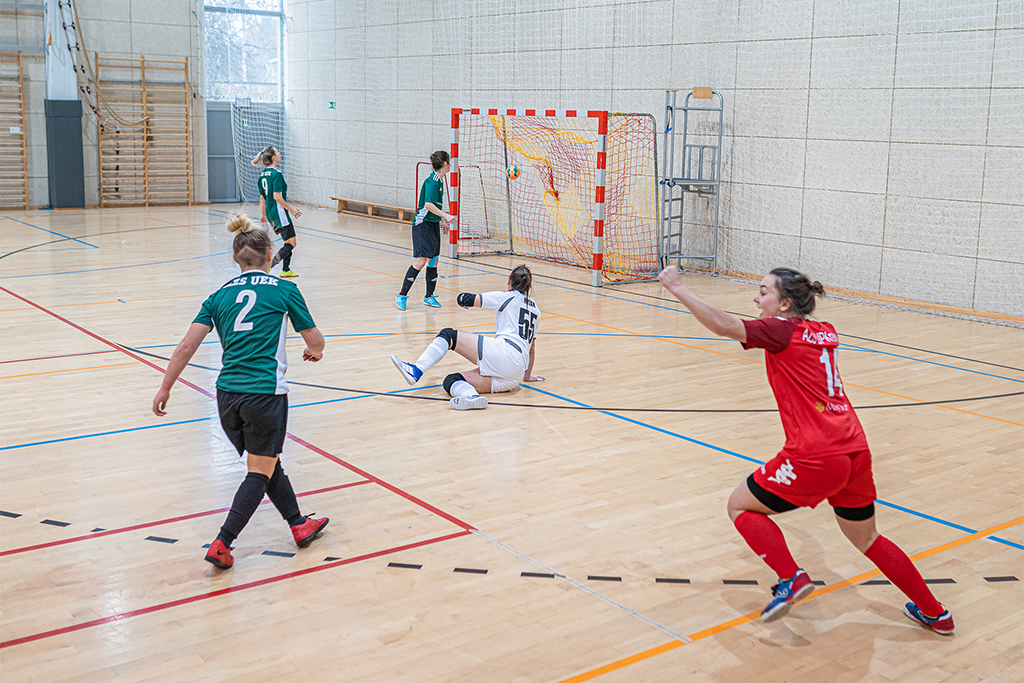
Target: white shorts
{"points": [[504, 363]]}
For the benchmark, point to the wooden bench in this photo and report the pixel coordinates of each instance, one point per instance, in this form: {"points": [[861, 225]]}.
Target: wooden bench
{"points": [[398, 214]]}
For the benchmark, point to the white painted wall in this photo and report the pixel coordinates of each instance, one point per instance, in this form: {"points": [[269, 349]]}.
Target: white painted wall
{"points": [[878, 145]]}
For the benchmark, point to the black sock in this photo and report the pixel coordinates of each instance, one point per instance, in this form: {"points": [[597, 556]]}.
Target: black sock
{"points": [[284, 254], [280, 493], [431, 280], [247, 499], [410, 277]]}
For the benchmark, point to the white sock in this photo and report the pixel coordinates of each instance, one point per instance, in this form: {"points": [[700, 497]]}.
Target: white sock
{"points": [[463, 389], [432, 354]]}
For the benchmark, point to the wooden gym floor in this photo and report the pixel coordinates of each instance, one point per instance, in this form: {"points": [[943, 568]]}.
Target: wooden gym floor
{"points": [[549, 541]]}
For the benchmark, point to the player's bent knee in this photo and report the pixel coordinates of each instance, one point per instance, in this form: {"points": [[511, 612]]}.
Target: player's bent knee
{"points": [[449, 335], [451, 380], [856, 514]]}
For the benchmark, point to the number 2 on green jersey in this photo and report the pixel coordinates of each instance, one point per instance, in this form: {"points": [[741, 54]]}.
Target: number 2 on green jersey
{"points": [[250, 300]]}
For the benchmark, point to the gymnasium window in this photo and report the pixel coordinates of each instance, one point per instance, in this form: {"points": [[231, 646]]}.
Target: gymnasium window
{"points": [[244, 50]]}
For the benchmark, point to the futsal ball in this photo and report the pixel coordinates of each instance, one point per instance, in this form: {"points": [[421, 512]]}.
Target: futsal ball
{"points": [[512, 171]]}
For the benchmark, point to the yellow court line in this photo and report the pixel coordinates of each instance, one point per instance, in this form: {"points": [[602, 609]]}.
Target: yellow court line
{"points": [[747, 618], [751, 360]]}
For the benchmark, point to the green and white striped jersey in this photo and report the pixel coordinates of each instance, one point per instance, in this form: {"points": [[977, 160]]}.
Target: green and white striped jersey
{"points": [[270, 181], [250, 313], [432, 190]]}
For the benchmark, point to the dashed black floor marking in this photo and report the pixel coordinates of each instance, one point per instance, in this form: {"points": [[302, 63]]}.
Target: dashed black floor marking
{"points": [[818, 583], [400, 565], [537, 575], [53, 522], [466, 570], [277, 553], [739, 582], [939, 581], [161, 539], [604, 578], [671, 581], [12, 515], [998, 579], [99, 528], [331, 559], [877, 582]]}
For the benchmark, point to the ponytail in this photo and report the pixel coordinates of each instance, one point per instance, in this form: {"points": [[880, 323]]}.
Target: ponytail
{"points": [[799, 289], [266, 156], [521, 279]]}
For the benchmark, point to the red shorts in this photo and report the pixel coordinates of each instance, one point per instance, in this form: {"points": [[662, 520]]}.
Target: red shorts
{"points": [[845, 480]]}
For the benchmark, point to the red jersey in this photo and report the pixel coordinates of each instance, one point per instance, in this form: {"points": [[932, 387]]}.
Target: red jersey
{"points": [[804, 375]]}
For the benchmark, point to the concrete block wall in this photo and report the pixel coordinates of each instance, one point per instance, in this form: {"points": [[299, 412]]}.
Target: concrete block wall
{"points": [[877, 145]]}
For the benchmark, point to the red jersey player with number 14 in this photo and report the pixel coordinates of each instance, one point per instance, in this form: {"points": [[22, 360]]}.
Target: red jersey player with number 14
{"points": [[826, 455]]}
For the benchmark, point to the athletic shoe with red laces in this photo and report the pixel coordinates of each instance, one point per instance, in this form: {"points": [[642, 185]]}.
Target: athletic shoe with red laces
{"points": [[305, 533], [219, 555], [786, 592], [942, 624]]}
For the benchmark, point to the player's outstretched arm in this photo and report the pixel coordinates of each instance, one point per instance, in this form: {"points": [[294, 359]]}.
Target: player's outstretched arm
{"points": [[467, 300], [527, 376], [179, 360], [708, 315], [315, 343]]}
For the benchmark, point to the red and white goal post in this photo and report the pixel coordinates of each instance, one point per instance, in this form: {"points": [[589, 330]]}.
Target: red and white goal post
{"points": [[586, 193]]}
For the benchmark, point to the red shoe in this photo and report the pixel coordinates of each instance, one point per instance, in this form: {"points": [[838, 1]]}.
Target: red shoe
{"points": [[219, 555], [305, 533]]}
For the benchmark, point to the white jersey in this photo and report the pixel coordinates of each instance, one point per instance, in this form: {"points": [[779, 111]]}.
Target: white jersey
{"points": [[516, 317]]}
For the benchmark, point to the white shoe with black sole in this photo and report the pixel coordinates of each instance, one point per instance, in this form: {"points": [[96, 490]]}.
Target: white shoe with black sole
{"points": [[476, 402]]}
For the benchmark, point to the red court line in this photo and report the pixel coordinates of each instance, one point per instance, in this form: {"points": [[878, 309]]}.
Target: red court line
{"points": [[394, 489], [66, 355], [170, 520], [390, 487], [223, 591], [108, 343]]}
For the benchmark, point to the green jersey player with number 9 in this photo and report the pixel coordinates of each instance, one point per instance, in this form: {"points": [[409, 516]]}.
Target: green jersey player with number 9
{"points": [[251, 315], [274, 208]]}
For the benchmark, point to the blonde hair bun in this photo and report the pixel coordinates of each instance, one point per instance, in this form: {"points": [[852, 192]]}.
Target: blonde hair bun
{"points": [[239, 222]]}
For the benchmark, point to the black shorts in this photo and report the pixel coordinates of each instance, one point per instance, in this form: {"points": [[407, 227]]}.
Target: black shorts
{"points": [[287, 232], [254, 422], [426, 240]]}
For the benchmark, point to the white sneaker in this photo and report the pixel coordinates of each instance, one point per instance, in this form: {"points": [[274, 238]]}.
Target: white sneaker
{"points": [[475, 402]]}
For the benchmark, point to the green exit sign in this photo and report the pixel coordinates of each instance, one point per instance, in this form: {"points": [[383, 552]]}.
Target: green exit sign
{"points": [[330, 105]]}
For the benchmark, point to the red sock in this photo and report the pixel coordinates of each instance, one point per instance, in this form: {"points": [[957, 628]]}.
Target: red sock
{"points": [[765, 538], [898, 568]]}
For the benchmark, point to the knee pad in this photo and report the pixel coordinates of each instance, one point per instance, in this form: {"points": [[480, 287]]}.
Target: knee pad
{"points": [[449, 335], [432, 263], [452, 379]]}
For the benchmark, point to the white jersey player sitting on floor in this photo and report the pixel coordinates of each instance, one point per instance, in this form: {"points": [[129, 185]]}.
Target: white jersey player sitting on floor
{"points": [[503, 361]]}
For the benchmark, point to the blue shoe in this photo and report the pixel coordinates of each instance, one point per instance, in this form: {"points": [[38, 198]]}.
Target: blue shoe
{"points": [[431, 301], [400, 301], [942, 624], [410, 372], [786, 592]]}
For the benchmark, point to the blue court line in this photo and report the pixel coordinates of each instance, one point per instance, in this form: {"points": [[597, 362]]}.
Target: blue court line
{"points": [[462, 265], [184, 422], [929, 362], [761, 462], [52, 232], [96, 270]]}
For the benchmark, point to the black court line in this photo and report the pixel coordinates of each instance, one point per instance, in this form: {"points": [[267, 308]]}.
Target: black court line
{"points": [[537, 575], [276, 553], [739, 582], [331, 559], [465, 570], [53, 522], [12, 515], [686, 581], [401, 565], [161, 539], [93, 531], [939, 581], [588, 408], [818, 583], [604, 578], [877, 582], [999, 579]]}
